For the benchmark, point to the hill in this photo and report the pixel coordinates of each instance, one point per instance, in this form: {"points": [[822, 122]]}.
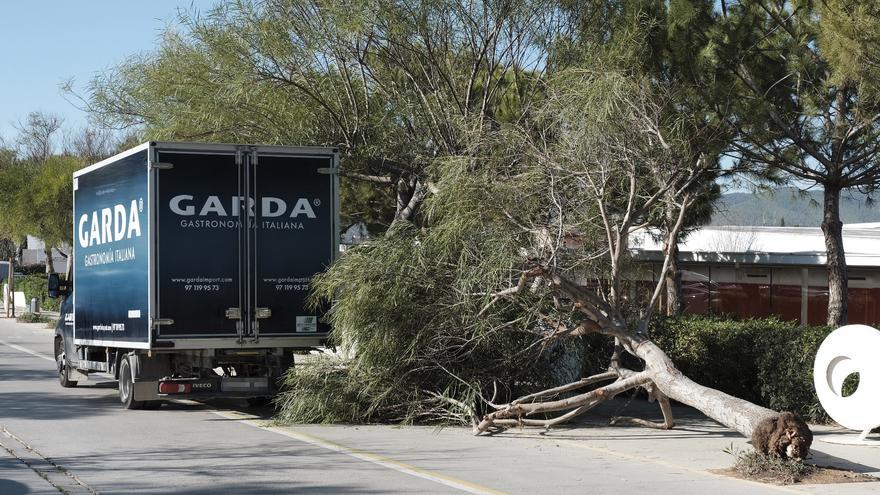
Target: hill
{"points": [[788, 207]]}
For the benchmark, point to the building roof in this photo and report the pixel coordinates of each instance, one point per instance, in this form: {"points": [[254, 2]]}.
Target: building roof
{"points": [[766, 245]]}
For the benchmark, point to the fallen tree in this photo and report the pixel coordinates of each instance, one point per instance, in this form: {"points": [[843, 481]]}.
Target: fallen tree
{"points": [[621, 163], [770, 432], [522, 250]]}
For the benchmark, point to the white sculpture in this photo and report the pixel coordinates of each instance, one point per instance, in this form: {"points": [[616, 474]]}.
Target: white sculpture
{"points": [[850, 349]]}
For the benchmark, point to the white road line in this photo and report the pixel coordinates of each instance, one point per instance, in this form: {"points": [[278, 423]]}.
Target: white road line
{"points": [[383, 461], [28, 351]]}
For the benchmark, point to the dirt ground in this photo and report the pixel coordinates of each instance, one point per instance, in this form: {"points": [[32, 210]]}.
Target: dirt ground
{"points": [[821, 475]]}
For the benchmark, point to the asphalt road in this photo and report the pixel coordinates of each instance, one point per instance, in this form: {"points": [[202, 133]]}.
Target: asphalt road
{"points": [[84, 442], [81, 441]]}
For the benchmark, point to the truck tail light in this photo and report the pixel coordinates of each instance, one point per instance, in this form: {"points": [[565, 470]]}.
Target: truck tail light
{"points": [[174, 388]]}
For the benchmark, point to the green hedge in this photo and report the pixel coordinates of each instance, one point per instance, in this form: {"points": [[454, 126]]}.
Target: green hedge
{"points": [[766, 361], [35, 285]]}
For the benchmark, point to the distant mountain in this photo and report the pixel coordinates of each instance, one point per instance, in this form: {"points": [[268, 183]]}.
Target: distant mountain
{"points": [[788, 207]]}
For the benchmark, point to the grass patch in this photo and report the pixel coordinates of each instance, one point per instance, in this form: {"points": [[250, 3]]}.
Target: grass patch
{"points": [[769, 468], [32, 318], [772, 469]]}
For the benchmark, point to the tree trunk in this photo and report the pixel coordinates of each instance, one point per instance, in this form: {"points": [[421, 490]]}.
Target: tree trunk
{"points": [[12, 287], [770, 432], [838, 283], [68, 271], [410, 195], [674, 304], [50, 263], [733, 412]]}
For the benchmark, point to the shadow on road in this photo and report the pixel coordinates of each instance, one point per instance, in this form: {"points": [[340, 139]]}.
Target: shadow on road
{"points": [[269, 464], [820, 458], [19, 374], [55, 406], [11, 487]]}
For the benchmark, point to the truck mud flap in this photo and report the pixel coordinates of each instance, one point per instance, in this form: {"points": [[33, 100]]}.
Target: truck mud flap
{"points": [[146, 390]]}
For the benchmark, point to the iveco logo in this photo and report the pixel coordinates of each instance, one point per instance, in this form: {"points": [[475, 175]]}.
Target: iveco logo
{"points": [[270, 207], [202, 385]]}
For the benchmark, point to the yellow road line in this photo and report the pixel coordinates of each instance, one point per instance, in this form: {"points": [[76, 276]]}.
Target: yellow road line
{"points": [[458, 484]]}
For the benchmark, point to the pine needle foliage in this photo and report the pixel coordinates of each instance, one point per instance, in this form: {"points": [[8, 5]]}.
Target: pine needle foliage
{"points": [[417, 310], [407, 307]]}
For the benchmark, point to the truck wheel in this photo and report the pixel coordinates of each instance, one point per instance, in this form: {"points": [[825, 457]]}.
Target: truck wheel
{"points": [[126, 385], [61, 364]]}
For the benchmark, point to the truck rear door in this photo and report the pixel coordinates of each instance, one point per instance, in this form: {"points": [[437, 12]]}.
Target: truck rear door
{"points": [[198, 223], [241, 231], [294, 238]]}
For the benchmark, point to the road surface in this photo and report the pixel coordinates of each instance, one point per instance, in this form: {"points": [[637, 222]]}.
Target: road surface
{"points": [[81, 441]]}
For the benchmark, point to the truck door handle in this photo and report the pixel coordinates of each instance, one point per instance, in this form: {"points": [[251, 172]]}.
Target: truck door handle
{"points": [[263, 313], [233, 313]]}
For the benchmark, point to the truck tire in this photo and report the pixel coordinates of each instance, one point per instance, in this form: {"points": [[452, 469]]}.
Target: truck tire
{"points": [[126, 385], [62, 365]]}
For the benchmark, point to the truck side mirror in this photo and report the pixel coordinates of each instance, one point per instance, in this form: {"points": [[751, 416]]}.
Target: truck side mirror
{"points": [[56, 287]]}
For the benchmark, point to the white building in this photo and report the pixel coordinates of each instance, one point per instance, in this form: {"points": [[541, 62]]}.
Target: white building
{"points": [[35, 254], [763, 271]]}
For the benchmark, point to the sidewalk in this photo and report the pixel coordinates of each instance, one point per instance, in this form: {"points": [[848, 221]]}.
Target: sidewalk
{"points": [[20, 310], [16, 478], [595, 457]]}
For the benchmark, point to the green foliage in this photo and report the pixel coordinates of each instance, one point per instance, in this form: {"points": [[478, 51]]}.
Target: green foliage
{"points": [[36, 285], [36, 198], [765, 361], [850, 39], [15, 178], [408, 307], [7, 249], [416, 307], [51, 202], [391, 85], [402, 305], [32, 318], [754, 465]]}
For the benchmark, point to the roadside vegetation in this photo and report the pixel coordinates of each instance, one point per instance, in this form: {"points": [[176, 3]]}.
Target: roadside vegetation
{"points": [[34, 285], [36, 190], [33, 318], [753, 465], [766, 361]]}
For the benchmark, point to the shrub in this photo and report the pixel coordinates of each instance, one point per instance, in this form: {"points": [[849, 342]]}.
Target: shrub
{"points": [[765, 361], [32, 318], [769, 468], [35, 285], [422, 352]]}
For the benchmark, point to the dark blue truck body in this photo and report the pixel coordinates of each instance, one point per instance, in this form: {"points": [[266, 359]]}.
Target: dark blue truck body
{"points": [[193, 256]]}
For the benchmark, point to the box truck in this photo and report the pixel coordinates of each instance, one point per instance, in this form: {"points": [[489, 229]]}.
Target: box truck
{"points": [[191, 268]]}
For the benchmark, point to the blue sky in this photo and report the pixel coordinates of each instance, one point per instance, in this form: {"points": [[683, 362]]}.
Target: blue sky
{"points": [[45, 43]]}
